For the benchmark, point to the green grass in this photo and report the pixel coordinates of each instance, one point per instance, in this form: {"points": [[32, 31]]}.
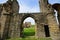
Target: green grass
{"points": [[29, 39], [29, 34], [29, 31]]}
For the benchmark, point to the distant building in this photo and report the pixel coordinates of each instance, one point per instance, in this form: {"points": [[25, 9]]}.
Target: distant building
{"points": [[27, 24]]}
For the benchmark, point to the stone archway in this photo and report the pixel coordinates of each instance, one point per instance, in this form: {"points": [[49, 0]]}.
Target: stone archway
{"points": [[23, 18], [40, 32]]}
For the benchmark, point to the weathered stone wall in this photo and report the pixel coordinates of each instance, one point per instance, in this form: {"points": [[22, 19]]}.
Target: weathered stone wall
{"points": [[38, 19], [2, 20], [51, 20], [11, 21], [6, 12], [57, 8]]}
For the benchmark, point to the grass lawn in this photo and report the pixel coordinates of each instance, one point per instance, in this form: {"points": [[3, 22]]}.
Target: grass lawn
{"points": [[30, 38], [29, 34], [29, 31]]}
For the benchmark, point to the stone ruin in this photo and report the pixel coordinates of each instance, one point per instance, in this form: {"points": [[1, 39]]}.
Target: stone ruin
{"points": [[27, 24], [11, 20]]}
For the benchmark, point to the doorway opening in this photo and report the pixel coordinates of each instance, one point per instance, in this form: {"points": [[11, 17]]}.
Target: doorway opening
{"points": [[47, 33]]}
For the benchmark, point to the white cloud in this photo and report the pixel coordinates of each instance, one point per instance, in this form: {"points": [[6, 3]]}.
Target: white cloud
{"points": [[54, 1], [25, 9], [3, 1], [29, 19]]}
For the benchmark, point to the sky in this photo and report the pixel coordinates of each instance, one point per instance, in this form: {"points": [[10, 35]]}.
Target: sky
{"points": [[30, 6]]}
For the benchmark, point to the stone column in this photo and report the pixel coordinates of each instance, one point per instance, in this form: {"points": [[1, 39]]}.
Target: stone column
{"points": [[20, 25], [14, 19], [16, 27], [43, 5], [54, 29], [14, 30], [0, 25], [3, 20], [7, 25], [40, 31], [40, 27], [11, 28]]}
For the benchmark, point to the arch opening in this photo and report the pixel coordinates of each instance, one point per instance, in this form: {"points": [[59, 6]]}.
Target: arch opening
{"points": [[28, 26]]}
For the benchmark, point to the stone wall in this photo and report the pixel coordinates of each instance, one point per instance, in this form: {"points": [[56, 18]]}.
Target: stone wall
{"points": [[11, 22], [51, 20], [57, 8]]}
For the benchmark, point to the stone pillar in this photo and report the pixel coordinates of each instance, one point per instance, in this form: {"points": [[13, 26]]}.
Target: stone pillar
{"points": [[16, 27], [43, 5], [15, 7], [40, 31], [6, 28], [21, 25], [0, 27], [54, 29], [14, 30], [1, 8], [3, 20], [40, 27], [14, 20], [11, 28], [8, 25]]}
